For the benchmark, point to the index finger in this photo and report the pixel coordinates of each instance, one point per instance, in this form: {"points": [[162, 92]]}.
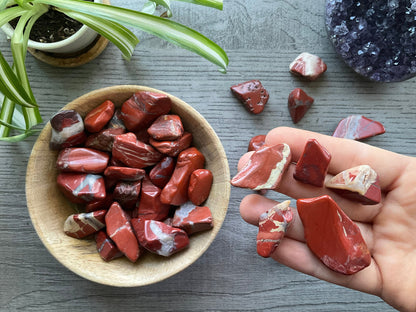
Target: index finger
{"points": [[346, 153]]}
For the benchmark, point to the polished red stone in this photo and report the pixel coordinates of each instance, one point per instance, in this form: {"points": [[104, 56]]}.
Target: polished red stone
{"points": [[332, 236], [264, 169], [150, 206], [176, 191], [160, 238], [118, 173], [256, 142], [298, 103], [119, 229], [67, 130], [106, 247], [134, 154], [359, 183], [308, 65], [99, 116], [173, 148], [127, 194], [143, 136], [116, 122], [139, 111], [81, 159], [162, 171], [104, 139], [313, 164], [252, 94], [102, 204], [272, 228], [358, 127], [193, 218], [199, 187], [81, 188], [166, 128], [81, 225]]}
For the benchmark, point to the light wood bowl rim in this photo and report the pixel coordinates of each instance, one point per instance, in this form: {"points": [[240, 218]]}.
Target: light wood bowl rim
{"points": [[78, 255]]}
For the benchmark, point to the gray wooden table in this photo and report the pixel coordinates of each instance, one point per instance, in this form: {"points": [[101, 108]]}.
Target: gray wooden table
{"points": [[261, 39]]}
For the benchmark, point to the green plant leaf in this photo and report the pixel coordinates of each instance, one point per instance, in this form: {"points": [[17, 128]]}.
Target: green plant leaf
{"points": [[122, 37], [166, 5], [168, 30], [11, 87], [19, 137], [149, 7], [217, 4], [6, 15]]}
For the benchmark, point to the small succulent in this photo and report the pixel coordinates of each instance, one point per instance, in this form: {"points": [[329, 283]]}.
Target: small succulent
{"points": [[20, 111]]}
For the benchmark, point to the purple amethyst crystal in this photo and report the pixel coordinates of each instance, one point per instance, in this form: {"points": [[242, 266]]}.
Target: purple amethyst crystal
{"points": [[375, 38]]}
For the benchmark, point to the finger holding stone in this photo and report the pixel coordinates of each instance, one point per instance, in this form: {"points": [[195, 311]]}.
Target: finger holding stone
{"points": [[296, 255], [345, 153], [253, 205]]}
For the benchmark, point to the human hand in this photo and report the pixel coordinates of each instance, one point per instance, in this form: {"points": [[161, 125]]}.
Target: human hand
{"points": [[389, 228]]}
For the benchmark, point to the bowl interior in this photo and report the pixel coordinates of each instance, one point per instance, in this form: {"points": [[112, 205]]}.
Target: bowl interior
{"points": [[48, 208]]}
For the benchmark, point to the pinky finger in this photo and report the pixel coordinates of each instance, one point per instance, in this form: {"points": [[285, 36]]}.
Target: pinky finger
{"points": [[298, 256]]}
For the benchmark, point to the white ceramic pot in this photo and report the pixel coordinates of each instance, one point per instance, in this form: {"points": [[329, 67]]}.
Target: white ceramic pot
{"points": [[81, 39]]}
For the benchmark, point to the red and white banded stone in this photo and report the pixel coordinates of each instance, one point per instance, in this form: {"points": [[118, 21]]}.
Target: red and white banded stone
{"points": [[272, 228], [81, 225], [308, 65], [265, 168], [193, 218], [359, 183]]}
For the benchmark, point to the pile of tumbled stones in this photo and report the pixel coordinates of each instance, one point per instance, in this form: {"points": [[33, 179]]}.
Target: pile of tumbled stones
{"points": [[346, 251], [136, 177]]}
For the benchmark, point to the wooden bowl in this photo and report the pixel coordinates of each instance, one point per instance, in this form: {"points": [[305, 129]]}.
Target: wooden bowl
{"points": [[48, 208]]}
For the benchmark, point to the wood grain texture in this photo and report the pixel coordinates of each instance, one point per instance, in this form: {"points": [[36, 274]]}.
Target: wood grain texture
{"points": [[261, 38]]}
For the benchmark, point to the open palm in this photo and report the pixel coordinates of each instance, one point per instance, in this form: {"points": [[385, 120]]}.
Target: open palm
{"points": [[389, 228]]}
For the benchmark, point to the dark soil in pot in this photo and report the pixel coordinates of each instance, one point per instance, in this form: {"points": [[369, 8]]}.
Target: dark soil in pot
{"points": [[52, 26]]}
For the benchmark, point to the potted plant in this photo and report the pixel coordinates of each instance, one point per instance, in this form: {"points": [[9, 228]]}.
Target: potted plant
{"points": [[19, 110]]}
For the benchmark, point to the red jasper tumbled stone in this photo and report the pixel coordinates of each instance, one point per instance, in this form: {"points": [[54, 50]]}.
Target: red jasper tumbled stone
{"points": [[332, 236], [99, 116], [176, 191], [104, 139], [150, 206], [256, 142], [119, 229], [199, 187], [298, 103], [272, 228], [134, 153], [106, 247], [313, 164], [193, 218], [118, 173], [102, 204], [172, 148], [359, 183], [127, 194], [252, 94], [358, 127], [81, 225], [115, 121], [166, 128], [81, 159], [160, 238], [67, 130], [162, 171], [81, 188], [308, 65], [264, 169], [140, 110]]}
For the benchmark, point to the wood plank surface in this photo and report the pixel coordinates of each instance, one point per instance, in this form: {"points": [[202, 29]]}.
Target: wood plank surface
{"points": [[261, 38]]}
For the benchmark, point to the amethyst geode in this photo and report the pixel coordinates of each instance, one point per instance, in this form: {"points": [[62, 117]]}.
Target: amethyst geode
{"points": [[375, 38]]}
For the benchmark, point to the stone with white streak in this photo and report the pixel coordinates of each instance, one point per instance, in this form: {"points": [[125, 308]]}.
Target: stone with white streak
{"points": [[159, 238], [308, 65], [81, 225], [359, 183], [265, 168], [67, 130], [273, 225], [193, 218]]}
